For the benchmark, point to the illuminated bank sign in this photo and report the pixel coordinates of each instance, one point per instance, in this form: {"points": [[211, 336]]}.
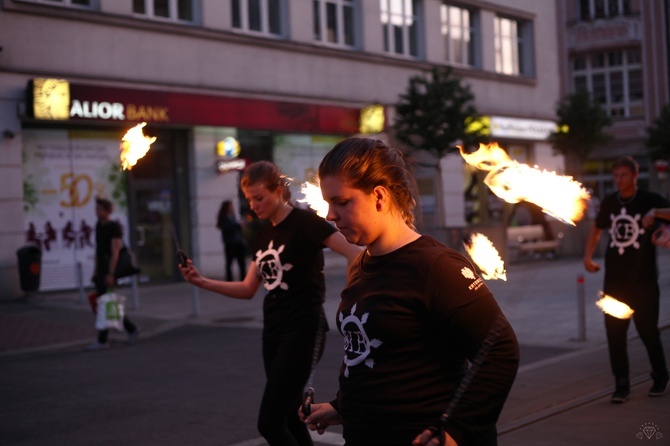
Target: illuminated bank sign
{"points": [[57, 99], [60, 100]]}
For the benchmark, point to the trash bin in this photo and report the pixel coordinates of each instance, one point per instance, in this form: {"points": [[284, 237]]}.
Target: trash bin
{"points": [[30, 266]]}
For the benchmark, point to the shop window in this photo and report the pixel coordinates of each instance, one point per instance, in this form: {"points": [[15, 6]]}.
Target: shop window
{"points": [[514, 46], [259, 16], [460, 28], [334, 22], [171, 10], [401, 26]]}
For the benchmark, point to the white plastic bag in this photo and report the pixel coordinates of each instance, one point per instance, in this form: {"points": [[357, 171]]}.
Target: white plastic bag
{"points": [[661, 237], [110, 311]]}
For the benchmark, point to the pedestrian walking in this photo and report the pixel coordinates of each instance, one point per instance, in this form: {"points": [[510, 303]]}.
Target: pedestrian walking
{"points": [[413, 314], [235, 249], [288, 260], [631, 274], [108, 245]]}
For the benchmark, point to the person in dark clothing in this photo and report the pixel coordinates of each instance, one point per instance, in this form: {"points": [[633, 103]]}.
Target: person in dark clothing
{"points": [[413, 314], [631, 274], [108, 244], [289, 261], [233, 243]]}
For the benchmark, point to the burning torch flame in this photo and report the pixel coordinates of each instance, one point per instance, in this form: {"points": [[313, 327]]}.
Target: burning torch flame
{"points": [[559, 196], [613, 307], [485, 256], [313, 198], [134, 146]]}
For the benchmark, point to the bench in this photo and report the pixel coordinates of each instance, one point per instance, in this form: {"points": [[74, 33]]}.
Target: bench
{"points": [[530, 239]]}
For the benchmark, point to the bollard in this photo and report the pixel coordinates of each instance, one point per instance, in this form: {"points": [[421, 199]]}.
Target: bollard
{"points": [[134, 293], [80, 279], [581, 309]]}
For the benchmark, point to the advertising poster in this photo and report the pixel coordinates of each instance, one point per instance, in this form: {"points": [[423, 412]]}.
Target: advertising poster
{"points": [[64, 172]]}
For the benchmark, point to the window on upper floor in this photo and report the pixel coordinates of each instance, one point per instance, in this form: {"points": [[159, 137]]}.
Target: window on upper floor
{"points": [[613, 78], [259, 16], [172, 10], [334, 22], [460, 28], [401, 26], [600, 9], [86, 4], [514, 46]]}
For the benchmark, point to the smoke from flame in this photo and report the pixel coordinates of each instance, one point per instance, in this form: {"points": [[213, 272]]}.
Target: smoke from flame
{"points": [[134, 146], [485, 256], [559, 196]]}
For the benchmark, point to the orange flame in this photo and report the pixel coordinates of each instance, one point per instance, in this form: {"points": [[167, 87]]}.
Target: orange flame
{"points": [[313, 198], [134, 146], [559, 196], [613, 307], [485, 256]]}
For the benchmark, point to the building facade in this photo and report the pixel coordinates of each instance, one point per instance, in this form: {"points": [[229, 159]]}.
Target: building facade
{"points": [[617, 50], [284, 78]]}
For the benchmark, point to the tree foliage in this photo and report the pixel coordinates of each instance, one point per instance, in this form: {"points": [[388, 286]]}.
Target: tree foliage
{"points": [[658, 136], [435, 111], [580, 125]]}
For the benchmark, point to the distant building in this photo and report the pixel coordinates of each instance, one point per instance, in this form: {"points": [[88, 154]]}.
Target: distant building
{"points": [[285, 78], [618, 51]]}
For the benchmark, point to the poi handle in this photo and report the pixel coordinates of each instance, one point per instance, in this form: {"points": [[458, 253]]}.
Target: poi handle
{"points": [[307, 401]]}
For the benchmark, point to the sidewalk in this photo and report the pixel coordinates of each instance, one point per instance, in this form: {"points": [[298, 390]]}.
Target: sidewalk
{"points": [[562, 387]]}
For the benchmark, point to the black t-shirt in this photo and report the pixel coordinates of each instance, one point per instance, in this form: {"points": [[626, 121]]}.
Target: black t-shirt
{"points": [[289, 259], [410, 319], [630, 255], [104, 234]]}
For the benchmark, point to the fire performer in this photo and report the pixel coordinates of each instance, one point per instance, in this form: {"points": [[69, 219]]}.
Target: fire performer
{"points": [[412, 315], [289, 262], [631, 274]]}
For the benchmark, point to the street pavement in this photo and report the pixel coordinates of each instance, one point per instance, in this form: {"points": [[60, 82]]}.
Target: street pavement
{"points": [[195, 374]]}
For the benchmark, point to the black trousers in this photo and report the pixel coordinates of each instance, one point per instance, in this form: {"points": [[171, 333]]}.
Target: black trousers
{"points": [[235, 252], [644, 299], [287, 364], [101, 288]]}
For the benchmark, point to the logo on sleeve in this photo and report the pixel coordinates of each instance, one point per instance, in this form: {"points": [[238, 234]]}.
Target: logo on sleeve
{"points": [[468, 274]]}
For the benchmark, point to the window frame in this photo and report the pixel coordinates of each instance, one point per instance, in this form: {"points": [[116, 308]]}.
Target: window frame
{"points": [[602, 9], [408, 34], [320, 16], [173, 14], [266, 22], [522, 50], [470, 53], [601, 75], [92, 4]]}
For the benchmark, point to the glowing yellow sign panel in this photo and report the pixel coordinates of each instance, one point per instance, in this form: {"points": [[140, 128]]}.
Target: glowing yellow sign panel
{"points": [[372, 119], [51, 99]]}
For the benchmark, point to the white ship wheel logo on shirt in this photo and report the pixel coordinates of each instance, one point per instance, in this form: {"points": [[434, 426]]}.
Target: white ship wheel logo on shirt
{"points": [[357, 344], [625, 230], [271, 268]]}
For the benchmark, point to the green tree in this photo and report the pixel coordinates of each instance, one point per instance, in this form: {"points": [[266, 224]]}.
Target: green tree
{"points": [[581, 121], [658, 136], [437, 111]]}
